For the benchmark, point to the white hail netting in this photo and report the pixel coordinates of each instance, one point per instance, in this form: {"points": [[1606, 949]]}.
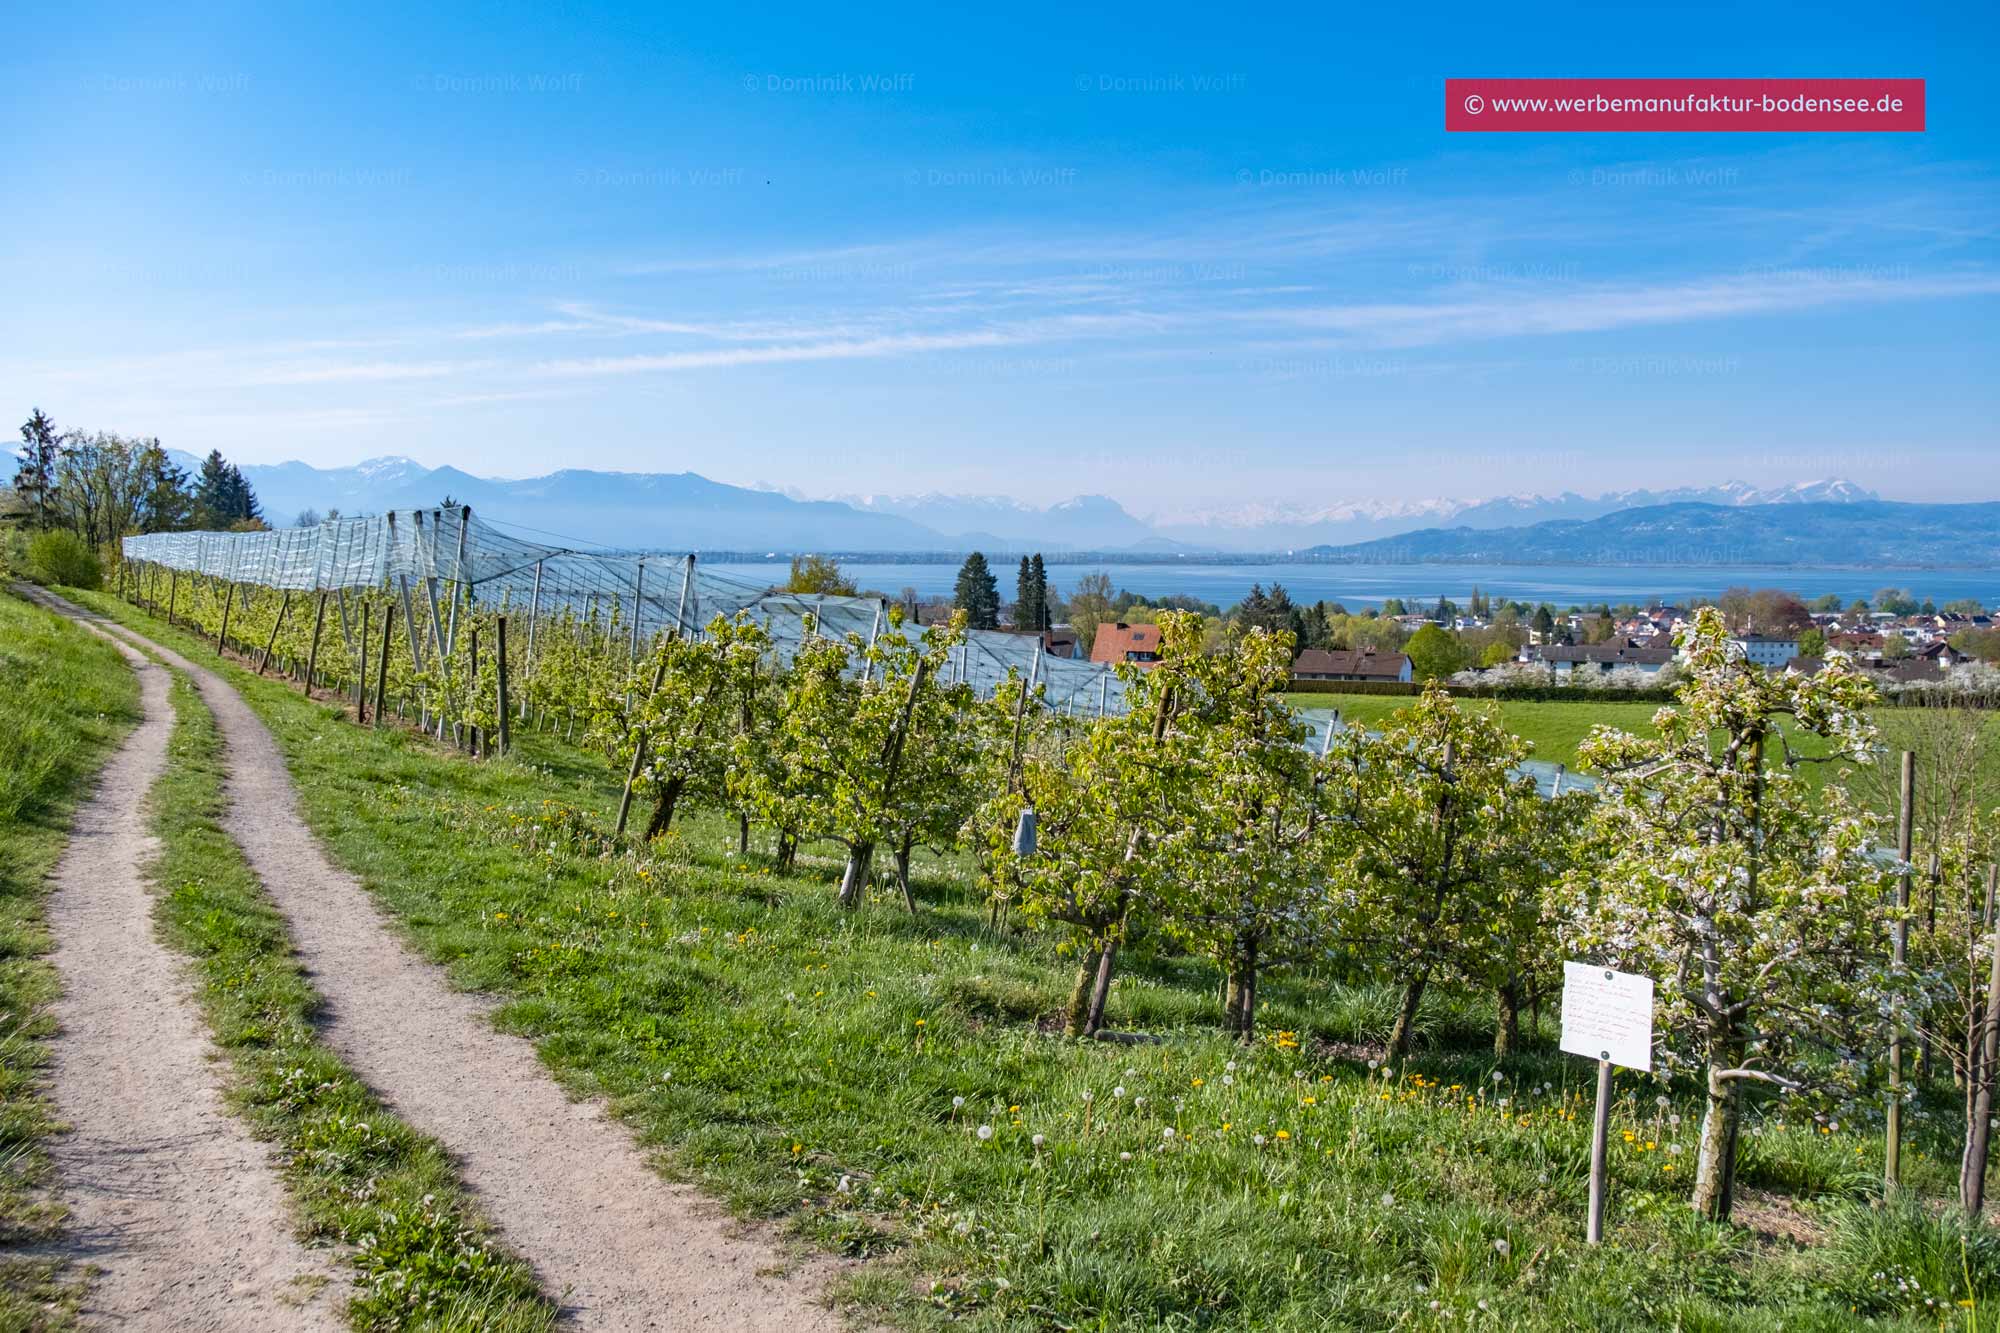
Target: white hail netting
{"points": [[648, 594], [1550, 779]]}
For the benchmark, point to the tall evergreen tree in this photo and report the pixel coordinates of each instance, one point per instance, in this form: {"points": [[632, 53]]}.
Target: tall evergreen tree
{"points": [[1025, 614], [1046, 613], [165, 502], [222, 497], [977, 593], [35, 479]]}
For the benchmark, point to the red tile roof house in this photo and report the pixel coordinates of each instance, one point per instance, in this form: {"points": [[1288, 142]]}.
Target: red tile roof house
{"points": [[1120, 642], [1348, 664]]}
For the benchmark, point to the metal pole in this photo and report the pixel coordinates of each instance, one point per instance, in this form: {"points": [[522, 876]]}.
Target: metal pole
{"points": [[680, 611], [457, 578], [1972, 1172], [1892, 1148], [1599, 1135], [638, 600], [868, 663], [534, 614]]}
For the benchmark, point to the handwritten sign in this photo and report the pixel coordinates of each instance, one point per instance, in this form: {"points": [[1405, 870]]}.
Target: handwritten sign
{"points": [[1607, 1015]]}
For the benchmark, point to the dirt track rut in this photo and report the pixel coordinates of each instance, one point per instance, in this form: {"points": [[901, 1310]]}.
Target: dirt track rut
{"points": [[619, 1246], [171, 1199]]}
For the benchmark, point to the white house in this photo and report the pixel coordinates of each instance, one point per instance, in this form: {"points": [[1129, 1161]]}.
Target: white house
{"points": [[1768, 650]]}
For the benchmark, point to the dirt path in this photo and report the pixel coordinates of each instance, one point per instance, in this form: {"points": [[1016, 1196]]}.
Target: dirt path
{"points": [[619, 1247], [170, 1196]]}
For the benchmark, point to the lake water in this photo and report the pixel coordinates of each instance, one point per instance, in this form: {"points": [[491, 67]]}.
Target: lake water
{"points": [[1369, 585]]}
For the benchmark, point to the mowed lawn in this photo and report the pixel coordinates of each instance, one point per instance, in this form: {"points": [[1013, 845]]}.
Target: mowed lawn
{"points": [[887, 1085], [1557, 729]]}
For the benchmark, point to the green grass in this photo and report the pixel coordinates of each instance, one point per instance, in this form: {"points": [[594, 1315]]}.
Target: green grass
{"points": [[389, 1196], [66, 699], [1556, 729], [802, 1063]]}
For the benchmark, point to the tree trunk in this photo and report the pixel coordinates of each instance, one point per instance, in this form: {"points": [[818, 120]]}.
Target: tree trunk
{"points": [[1246, 995], [1232, 1002], [1507, 1028], [1715, 1162], [903, 872], [854, 880], [1077, 1013], [1406, 1017], [663, 813], [743, 835], [788, 852], [1101, 992]]}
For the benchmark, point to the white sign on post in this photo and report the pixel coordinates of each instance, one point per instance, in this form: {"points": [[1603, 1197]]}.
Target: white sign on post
{"points": [[1608, 1015]]}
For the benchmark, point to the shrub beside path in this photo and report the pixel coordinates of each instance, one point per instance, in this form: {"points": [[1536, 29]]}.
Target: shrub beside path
{"points": [[171, 1199], [618, 1245]]}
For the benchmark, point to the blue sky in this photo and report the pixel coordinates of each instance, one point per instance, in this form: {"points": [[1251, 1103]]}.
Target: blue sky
{"points": [[1183, 256]]}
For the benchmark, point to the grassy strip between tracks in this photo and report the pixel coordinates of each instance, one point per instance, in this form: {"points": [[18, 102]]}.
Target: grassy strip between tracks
{"points": [[361, 1178]]}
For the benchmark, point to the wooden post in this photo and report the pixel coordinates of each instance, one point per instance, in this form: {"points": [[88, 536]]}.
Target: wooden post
{"points": [[312, 653], [1892, 1148], [228, 601], [284, 605], [1600, 1133], [382, 660], [500, 646], [473, 736], [173, 593], [361, 676]]}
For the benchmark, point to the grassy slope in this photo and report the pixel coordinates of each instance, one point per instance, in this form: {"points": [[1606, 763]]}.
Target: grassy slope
{"points": [[66, 698], [803, 1061], [359, 1174]]}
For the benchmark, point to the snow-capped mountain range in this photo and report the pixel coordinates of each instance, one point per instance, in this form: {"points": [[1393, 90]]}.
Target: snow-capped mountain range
{"points": [[1281, 526], [681, 510]]}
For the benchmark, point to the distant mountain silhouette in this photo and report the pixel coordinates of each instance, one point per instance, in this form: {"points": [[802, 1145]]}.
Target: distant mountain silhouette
{"points": [[1807, 533]]}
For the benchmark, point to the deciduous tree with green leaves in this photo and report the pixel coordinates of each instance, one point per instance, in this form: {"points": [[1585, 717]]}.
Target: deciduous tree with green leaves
{"points": [[1751, 897], [1106, 807], [1242, 879], [1430, 816], [681, 721]]}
